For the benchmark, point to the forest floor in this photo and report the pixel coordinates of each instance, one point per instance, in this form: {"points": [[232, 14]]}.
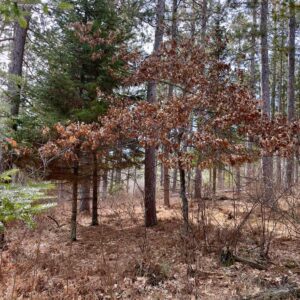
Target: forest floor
{"points": [[120, 259]]}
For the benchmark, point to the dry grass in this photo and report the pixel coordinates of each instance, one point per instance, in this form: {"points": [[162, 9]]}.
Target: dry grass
{"points": [[120, 259]]}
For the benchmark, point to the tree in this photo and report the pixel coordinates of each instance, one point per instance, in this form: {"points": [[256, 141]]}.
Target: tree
{"points": [[150, 161], [228, 112], [267, 161], [198, 173], [170, 96], [16, 65], [291, 83]]}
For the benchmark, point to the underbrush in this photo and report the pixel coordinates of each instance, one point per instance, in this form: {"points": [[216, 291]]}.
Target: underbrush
{"points": [[121, 259]]}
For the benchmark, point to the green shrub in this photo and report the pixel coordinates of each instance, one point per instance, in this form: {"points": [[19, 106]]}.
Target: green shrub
{"points": [[21, 202]]}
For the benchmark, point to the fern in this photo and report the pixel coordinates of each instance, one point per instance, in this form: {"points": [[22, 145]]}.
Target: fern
{"points": [[21, 202]]}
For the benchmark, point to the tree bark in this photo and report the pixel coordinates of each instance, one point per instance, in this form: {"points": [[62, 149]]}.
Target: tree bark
{"points": [[267, 160], [185, 204], [112, 179], [170, 96], [84, 192], [150, 159], [238, 181], [174, 180], [198, 172], [104, 184], [253, 48], [16, 66], [166, 186], [274, 62], [95, 192], [74, 202], [280, 99], [198, 184], [161, 181], [150, 188], [291, 84], [214, 180]]}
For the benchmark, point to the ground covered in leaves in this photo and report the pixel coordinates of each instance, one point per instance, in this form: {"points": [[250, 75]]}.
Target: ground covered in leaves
{"points": [[120, 259]]}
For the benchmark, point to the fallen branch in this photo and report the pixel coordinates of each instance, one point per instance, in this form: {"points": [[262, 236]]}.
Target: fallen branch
{"points": [[228, 259], [251, 263], [291, 292], [56, 222]]}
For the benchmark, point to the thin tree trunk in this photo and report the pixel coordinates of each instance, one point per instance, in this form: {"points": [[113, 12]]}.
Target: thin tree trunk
{"points": [[150, 188], [185, 204], [274, 63], [253, 48], [198, 172], [198, 184], [161, 181], [134, 182], [280, 103], [84, 193], [16, 66], [174, 181], [128, 181], [166, 186], [74, 201], [112, 179], [1, 160], [189, 176], [118, 177], [104, 184], [253, 79], [238, 181], [166, 175], [95, 192], [220, 179], [291, 85], [214, 180], [267, 160], [150, 159]]}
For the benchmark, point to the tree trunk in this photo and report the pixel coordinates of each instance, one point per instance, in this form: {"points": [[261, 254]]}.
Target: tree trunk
{"points": [[118, 177], [291, 85], [74, 202], [166, 175], [198, 172], [150, 188], [127, 181], [274, 63], [185, 204], [214, 179], [84, 192], [203, 21], [150, 159], [198, 184], [112, 179], [253, 79], [1, 160], [220, 178], [174, 181], [161, 181], [280, 101], [166, 186], [238, 181], [104, 184], [253, 49], [267, 160], [95, 192], [16, 66]]}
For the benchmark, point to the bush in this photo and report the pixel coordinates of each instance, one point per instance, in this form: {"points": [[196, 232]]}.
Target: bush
{"points": [[19, 202]]}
